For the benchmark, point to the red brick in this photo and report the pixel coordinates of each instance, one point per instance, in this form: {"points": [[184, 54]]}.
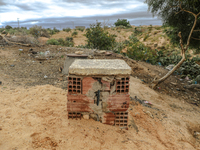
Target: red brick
{"points": [[119, 102], [108, 118], [106, 84], [87, 84]]}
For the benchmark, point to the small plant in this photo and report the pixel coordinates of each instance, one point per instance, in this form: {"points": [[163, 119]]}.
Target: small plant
{"points": [[67, 29], [146, 36], [53, 42], [137, 31], [81, 29], [67, 42], [74, 33]]}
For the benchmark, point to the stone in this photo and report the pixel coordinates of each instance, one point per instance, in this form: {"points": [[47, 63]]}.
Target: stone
{"points": [[86, 117], [69, 60], [99, 67], [79, 52]]}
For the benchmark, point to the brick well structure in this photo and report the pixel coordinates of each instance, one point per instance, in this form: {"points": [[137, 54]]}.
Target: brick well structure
{"points": [[99, 89]]}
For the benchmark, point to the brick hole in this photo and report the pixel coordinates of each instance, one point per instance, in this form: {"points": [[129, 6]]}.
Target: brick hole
{"points": [[122, 91], [122, 82], [74, 91], [74, 101], [70, 82], [70, 78], [118, 91], [78, 83], [78, 79], [74, 79], [118, 82], [126, 90], [78, 87], [122, 87], [127, 78], [70, 90], [74, 82], [123, 79], [79, 91], [74, 87]]}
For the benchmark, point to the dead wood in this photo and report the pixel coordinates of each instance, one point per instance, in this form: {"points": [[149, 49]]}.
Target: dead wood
{"points": [[192, 86], [9, 42]]}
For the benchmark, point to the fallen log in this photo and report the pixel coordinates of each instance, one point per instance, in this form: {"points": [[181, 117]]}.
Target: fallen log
{"points": [[192, 86], [9, 42]]}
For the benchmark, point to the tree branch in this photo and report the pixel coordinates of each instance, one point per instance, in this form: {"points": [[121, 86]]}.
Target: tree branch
{"points": [[195, 38]]}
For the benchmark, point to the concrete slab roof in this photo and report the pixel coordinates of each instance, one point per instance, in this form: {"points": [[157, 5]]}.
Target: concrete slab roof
{"points": [[99, 67]]}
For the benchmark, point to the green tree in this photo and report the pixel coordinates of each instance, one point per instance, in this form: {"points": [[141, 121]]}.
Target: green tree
{"points": [[97, 37], [181, 21], [175, 8], [122, 22], [8, 27]]}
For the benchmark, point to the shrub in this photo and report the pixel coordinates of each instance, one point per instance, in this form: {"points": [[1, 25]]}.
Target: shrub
{"points": [[122, 22], [81, 29], [8, 27], [67, 29], [137, 31], [53, 42], [67, 42], [74, 33], [38, 31], [56, 30], [98, 38]]}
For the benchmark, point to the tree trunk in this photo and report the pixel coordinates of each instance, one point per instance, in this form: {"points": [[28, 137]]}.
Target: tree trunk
{"points": [[156, 82]]}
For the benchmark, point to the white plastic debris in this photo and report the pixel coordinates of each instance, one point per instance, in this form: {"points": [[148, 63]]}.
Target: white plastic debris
{"points": [[45, 76], [170, 67]]}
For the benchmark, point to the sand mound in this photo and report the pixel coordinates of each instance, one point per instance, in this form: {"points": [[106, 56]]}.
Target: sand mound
{"points": [[36, 118]]}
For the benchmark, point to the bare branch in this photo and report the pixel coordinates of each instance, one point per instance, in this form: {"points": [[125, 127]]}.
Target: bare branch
{"points": [[195, 38], [196, 30], [181, 42], [188, 41]]}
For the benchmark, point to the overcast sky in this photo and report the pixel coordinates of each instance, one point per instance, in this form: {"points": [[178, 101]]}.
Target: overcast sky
{"points": [[69, 13]]}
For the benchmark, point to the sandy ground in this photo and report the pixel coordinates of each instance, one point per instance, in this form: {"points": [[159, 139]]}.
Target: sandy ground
{"points": [[33, 111], [36, 118]]}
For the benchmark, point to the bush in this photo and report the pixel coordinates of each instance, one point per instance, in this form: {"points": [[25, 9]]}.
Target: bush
{"points": [[98, 38], [8, 27], [137, 31], [81, 29], [67, 42], [67, 29], [38, 31], [53, 42], [122, 22], [74, 33]]}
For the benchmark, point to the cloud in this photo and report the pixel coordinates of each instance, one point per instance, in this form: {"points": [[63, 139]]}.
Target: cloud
{"points": [[56, 13]]}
